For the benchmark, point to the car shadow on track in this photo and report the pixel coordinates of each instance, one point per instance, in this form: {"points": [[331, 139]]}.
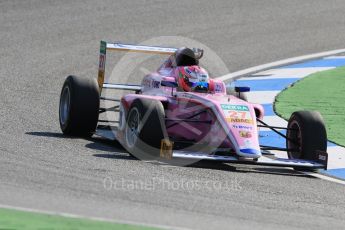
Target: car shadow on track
{"points": [[113, 150], [236, 168], [47, 134]]}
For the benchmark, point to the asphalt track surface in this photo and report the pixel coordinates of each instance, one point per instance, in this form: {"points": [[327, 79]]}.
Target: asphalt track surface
{"points": [[43, 41]]}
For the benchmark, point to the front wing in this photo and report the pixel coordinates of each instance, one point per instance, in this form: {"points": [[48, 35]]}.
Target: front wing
{"points": [[263, 160]]}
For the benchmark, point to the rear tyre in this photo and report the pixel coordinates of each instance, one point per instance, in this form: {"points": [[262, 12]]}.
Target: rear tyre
{"points": [[305, 135], [79, 106], [145, 128]]}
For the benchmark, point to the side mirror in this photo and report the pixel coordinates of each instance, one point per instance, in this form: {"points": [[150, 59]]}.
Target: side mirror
{"points": [[169, 84], [242, 89]]}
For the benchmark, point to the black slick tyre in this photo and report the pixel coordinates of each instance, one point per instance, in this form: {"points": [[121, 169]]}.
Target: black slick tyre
{"points": [[305, 135], [145, 128], [79, 106]]}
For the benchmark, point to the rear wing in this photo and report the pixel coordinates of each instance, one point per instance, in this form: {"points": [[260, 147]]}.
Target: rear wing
{"points": [[105, 46]]}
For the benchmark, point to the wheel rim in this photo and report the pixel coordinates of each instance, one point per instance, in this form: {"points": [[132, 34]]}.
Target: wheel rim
{"points": [[132, 128], [65, 105], [295, 140]]}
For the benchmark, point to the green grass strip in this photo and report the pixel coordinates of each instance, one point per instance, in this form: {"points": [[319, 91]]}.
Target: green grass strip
{"points": [[322, 91], [12, 219]]}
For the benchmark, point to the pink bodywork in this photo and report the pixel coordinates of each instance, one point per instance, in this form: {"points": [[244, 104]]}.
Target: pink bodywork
{"points": [[216, 120]]}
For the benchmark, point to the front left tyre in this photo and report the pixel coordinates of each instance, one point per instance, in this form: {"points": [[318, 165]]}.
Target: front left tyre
{"points": [[145, 128], [79, 106]]}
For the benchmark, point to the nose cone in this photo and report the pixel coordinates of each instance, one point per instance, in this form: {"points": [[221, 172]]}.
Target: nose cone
{"points": [[250, 153]]}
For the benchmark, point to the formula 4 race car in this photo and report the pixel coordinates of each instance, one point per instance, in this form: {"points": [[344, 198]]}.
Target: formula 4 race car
{"points": [[180, 114]]}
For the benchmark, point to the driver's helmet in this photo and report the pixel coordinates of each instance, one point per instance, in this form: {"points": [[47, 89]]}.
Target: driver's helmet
{"points": [[192, 78]]}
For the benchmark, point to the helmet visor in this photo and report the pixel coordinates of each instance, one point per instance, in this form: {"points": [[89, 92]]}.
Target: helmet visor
{"points": [[200, 86]]}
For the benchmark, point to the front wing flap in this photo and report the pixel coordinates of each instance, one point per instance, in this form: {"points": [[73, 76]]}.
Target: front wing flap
{"points": [[263, 160]]}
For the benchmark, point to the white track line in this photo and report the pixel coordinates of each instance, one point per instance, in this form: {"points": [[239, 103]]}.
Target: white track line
{"points": [[275, 121], [254, 69], [74, 216], [268, 77], [336, 157], [291, 72], [335, 57], [324, 177], [262, 97]]}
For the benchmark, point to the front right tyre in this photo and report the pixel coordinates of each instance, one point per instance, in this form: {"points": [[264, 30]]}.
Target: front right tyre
{"points": [[306, 135]]}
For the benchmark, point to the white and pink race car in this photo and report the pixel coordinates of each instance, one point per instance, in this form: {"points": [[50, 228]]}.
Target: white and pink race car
{"points": [[180, 114]]}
